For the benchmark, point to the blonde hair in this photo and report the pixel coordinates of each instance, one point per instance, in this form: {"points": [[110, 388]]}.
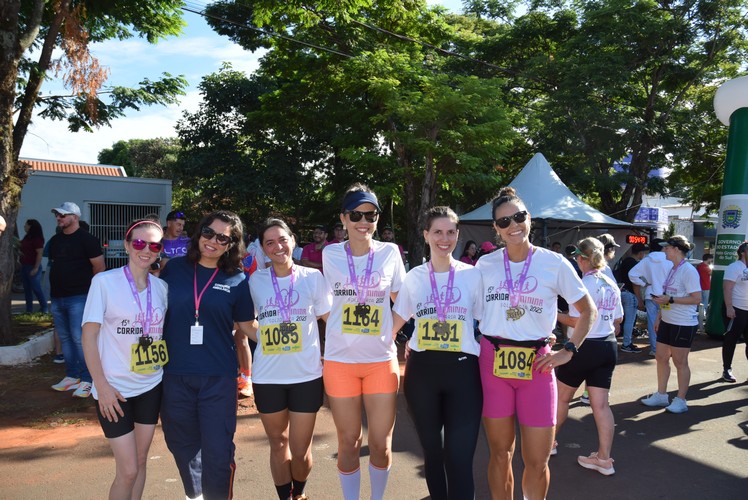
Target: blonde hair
{"points": [[592, 249]]}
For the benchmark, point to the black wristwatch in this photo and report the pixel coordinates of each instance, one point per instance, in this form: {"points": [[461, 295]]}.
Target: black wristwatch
{"points": [[569, 346], [672, 300]]}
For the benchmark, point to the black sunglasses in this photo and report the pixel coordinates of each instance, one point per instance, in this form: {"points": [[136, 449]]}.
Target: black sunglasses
{"points": [[208, 233], [356, 216], [519, 218], [153, 246]]}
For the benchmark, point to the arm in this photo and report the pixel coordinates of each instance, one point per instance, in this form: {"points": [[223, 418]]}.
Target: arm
{"points": [[324, 317], [38, 262], [693, 298], [567, 320], [109, 397], [727, 287], [587, 316], [248, 328], [397, 323], [309, 263], [639, 300], [97, 266]]}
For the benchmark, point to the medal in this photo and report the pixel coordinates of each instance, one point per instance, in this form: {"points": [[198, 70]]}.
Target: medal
{"points": [[287, 328], [441, 328], [145, 341], [514, 313], [362, 310]]}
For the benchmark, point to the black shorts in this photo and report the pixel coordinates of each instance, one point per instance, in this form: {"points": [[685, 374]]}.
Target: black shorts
{"points": [[304, 397], [594, 364], [676, 335], [141, 409]]}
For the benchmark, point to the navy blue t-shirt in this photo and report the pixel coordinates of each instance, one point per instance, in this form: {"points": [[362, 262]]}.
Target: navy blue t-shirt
{"points": [[226, 300]]}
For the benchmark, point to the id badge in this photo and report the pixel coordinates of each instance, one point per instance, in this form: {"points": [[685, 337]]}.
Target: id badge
{"points": [[196, 335], [514, 362]]}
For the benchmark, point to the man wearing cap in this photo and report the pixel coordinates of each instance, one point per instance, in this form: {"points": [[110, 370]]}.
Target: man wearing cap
{"points": [[311, 255], [628, 297], [610, 245], [388, 236], [647, 278], [175, 242], [338, 232], [76, 257]]}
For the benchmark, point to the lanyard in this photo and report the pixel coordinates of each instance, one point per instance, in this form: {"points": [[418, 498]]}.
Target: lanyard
{"points": [[199, 297], [671, 276], [136, 295], [441, 308], [354, 278], [285, 308], [590, 273], [514, 298]]}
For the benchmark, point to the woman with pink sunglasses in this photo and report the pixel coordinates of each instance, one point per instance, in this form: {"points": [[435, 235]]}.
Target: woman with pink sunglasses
{"points": [[122, 342]]}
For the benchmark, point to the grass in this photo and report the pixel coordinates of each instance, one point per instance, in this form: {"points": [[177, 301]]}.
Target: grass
{"points": [[27, 325]]}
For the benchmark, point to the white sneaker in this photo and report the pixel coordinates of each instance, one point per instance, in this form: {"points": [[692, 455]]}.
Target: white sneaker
{"points": [[83, 390], [677, 406], [656, 399], [66, 384]]}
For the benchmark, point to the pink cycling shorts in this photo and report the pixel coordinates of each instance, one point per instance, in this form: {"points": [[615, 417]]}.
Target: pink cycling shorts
{"points": [[533, 401]]}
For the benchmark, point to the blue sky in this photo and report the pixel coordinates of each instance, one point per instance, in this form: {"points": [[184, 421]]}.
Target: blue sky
{"points": [[196, 53]]}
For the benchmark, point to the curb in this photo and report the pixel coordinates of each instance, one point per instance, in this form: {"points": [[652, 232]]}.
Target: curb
{"points": [[38, 346]]}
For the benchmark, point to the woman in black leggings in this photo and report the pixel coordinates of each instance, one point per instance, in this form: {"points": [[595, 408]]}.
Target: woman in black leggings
{"points": [[442, 381], [735, 288]]}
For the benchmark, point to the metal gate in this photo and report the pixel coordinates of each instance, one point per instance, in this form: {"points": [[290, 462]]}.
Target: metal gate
{"points": [[109, 222]]}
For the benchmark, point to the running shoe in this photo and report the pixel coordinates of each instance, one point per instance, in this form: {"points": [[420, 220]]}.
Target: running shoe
{"points": [[58, 359], [66, 384], [604, 467], [301, 497], [728, 377], [630, 348], [656, 399], [244, 385], [554, 450], [585, 398], [83, 390], [677, 406], [652, 352]]}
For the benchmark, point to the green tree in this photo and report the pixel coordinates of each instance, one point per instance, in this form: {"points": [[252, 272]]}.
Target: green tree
{"points": [[150, 158], [30, 32]]}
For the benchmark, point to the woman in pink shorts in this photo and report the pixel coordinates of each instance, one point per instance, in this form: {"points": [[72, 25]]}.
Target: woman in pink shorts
{"points": [[521, 284]]}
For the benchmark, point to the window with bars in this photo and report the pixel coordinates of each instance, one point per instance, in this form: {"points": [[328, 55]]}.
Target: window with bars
{"points": [[109, 222]]}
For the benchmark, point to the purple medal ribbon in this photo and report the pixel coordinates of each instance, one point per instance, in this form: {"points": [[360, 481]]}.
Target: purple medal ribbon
{"points": [[441, 309], [671, 276], [136, 295], [514, 298], [354, 278], [285, 308]]}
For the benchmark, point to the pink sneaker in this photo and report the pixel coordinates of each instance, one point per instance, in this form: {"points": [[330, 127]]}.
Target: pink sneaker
{"points": [[604, 467]]}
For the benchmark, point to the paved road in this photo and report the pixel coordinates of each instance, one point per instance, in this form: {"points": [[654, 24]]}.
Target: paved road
{"points": [[697, 455]]}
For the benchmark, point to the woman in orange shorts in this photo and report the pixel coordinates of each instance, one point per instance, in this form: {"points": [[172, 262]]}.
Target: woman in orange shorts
{"points": [[360, 356]]}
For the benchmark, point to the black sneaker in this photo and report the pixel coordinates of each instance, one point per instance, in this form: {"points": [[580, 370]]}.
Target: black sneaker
{"points": [[727, 376], [630, 348]]}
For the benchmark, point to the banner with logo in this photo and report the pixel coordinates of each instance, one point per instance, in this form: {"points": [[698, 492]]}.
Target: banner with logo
{"points": [[731, 229]]}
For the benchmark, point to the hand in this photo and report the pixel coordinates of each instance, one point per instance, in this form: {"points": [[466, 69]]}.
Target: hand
{"points": [[553, 339], [547, 362], [34, 271], [109, 399], [661, 299], [730, 311], [640, 304], [407, 351], [657, 324]]}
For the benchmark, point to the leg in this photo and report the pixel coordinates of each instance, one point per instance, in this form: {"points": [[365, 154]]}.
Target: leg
{"points": [[75, 315], [276, 428], [680, 360], [565, 395], [27, 287], [652, 309], [603, 420], [62, 327], [536, 449], [628, 301], [126, 466], [663, 366], [346, 413], [216, 407], [143, 438], [380, 417], [500, 435], [300, 442], [36, 287]]}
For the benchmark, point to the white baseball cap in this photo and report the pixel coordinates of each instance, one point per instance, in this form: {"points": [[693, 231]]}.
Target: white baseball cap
{"points": [[67, 208]]}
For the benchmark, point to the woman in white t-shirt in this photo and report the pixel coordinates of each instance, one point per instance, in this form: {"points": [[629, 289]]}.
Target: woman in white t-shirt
{"points": [[676, 324], [360, 357], [122, 342], [597, 357], [442, 379], [287, 366], [521, 285], [735, 287]]}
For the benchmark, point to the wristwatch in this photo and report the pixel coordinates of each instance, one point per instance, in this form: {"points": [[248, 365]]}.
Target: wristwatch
{"points": [[569, 346], [672, 300]]}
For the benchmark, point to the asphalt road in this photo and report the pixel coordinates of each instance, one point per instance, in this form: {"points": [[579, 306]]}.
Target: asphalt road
{"points": [[702, 454]]}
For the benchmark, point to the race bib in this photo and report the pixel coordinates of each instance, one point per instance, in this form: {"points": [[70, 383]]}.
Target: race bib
{"points": [[664, 307], [434, 335], [283, 338], [362, 319], [514, 362], [148, 359]]}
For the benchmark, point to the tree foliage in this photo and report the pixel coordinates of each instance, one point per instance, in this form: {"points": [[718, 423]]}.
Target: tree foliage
{"points": [[150, 158]]}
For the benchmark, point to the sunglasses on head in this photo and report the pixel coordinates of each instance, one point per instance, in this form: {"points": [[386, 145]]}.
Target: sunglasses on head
{"points": [[519, 218], [356, 216], [208, 233], [153, 246]]}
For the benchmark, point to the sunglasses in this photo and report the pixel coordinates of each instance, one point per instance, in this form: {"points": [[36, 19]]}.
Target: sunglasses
{"points": [[519, 218], [153, 246], [60, 216], [356, 216], [208, 233]]}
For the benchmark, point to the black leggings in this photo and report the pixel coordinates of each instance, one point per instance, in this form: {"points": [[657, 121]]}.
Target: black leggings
{"points": [[739, 329], [443, 391]]}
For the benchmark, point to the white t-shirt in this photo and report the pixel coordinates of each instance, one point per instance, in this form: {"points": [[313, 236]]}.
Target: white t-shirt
{"points": [[111, 304], [416, 298], [311, 298], [350, 338], [684, 281], [550, 275], [607, 271], [607, 297], [738, 273], [255, 250]]}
